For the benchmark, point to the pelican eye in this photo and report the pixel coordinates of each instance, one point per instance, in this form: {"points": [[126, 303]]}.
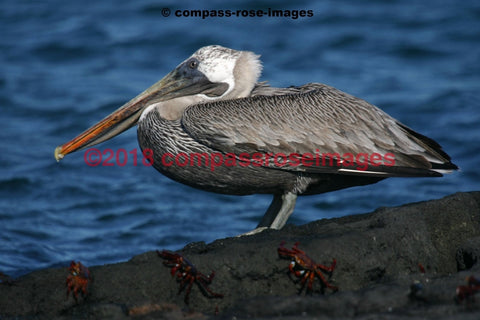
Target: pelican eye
{"points": [[193, 64]]}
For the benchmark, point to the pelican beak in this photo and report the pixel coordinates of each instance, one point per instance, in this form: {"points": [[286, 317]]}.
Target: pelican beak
{"points": [[175, 84]]}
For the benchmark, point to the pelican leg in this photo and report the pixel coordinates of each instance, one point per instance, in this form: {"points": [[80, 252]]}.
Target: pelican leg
{"points": [[279, 211]]}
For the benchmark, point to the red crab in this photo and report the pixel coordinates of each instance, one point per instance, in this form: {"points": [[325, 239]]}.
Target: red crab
{"points": [[467, 292], [78, 279], [188, 274], [306, 268]]}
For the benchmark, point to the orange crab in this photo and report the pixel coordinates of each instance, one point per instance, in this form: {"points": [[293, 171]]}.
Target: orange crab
{"points": [[188, 273], [467, 292], [78, 279], [306, 268]]}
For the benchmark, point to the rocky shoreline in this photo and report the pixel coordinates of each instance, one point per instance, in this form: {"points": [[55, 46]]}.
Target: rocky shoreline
{"points": [[394, 263]]}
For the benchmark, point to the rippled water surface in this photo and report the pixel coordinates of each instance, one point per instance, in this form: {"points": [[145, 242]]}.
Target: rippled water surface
{"points": [[65, 66]]}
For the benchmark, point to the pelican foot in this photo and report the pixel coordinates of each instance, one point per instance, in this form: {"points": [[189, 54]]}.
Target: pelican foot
{"points": [[254, 231]]}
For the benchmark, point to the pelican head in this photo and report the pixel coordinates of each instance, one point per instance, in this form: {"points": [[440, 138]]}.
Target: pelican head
{"points": [[211, 73], [239, 70]]}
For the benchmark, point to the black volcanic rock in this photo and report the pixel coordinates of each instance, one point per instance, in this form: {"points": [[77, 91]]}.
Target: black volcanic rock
{"points": [[379, 256]]}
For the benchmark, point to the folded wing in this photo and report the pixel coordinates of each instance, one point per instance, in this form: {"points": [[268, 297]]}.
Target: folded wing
{"points": [[319, 120]]}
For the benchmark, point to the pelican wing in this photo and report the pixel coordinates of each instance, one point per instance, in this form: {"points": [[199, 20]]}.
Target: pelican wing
{"points": [[316, 120]]}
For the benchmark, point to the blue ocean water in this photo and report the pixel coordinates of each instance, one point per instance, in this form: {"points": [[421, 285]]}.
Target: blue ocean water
{"points": [[65, 65]]}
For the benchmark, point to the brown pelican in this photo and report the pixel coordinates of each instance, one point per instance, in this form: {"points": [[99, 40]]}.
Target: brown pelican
{"points": [[281, 141]]}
